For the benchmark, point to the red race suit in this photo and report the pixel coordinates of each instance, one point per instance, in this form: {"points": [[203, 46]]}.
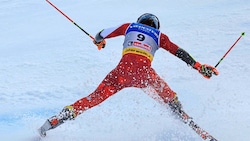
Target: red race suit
{"points": [[134, 69]]}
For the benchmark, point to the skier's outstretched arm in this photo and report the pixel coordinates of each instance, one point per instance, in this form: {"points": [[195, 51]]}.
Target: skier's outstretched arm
{"points": [[100, 37], [206, 70]]}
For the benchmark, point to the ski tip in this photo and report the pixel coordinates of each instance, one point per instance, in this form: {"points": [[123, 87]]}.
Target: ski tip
{"points": [[243, 34]]}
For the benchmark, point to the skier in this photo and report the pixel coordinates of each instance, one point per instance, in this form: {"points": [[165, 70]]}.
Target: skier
{"points": [[142, 39]]}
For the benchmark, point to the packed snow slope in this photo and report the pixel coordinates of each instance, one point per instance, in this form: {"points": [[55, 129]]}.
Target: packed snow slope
{"points": [[47, 63]]}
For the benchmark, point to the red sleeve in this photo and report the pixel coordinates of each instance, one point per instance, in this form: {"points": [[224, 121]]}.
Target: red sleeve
{"points": [[166, 44], [115, 31]]}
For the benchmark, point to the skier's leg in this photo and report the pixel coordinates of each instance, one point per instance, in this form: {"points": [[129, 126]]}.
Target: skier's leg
{"points": [[111, 84], [103, 91], [161, 87], [168, 96], [164, 91]]}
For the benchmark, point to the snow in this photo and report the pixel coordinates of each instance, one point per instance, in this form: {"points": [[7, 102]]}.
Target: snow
{"points": [[47, 63]]}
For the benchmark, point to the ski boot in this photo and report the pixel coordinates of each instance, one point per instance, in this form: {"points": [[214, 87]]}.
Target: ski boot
{"points": [[175, 104], [176, 108], [66, 114]]}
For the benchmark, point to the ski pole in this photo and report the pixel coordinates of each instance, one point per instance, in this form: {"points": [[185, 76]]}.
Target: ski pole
{"points": [[242, 34], [70, 19]]}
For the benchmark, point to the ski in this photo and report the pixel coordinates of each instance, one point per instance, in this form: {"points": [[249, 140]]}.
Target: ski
{"points": [[190, 122], [176, 108]]}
